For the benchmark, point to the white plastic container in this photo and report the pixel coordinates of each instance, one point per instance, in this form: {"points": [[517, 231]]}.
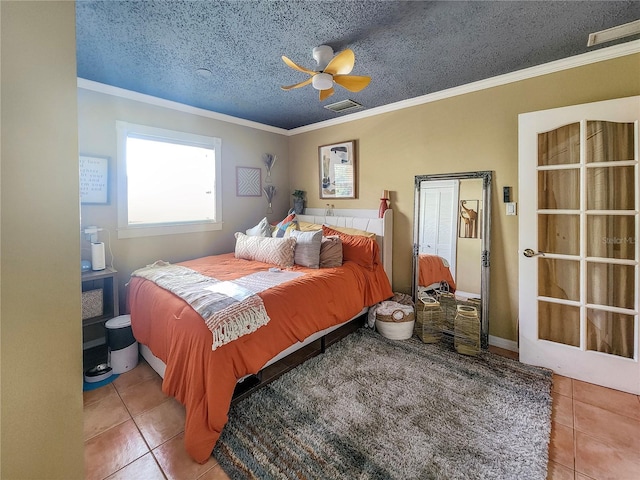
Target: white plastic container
{"points": [[123, 347]]}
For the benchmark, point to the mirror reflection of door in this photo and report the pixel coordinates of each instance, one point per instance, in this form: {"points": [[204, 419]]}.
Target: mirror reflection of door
{"points": [[438, 231]]}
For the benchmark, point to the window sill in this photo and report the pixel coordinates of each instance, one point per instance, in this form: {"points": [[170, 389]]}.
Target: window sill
{"points": [[150, 231]]}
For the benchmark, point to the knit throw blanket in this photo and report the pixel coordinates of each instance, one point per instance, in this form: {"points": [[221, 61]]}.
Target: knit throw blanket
{"points": [[230, 309]]}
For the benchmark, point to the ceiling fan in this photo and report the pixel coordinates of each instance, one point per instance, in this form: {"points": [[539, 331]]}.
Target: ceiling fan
{"points": [[330, 70]]}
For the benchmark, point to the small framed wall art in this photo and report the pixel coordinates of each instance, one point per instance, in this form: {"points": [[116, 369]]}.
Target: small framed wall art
{"points": [[248, 182], [338, 173], [94, 180]]}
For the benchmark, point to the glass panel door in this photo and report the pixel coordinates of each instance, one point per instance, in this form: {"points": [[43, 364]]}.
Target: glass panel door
{"points": [[579, 228]]}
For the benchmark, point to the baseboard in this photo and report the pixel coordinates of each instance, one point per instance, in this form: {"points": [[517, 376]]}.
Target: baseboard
{"points": [[93, 343], [503, 343]]}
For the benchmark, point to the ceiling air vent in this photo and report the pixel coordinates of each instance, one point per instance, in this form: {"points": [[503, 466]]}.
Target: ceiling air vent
{"points": [[343, 106], [614, 33]]}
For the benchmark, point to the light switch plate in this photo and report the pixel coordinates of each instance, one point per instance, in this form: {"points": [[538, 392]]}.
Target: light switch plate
{"points": [[511, 208]]}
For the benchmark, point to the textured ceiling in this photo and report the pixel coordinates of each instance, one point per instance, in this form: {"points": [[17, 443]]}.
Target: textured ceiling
{"points": [[409, 49]]}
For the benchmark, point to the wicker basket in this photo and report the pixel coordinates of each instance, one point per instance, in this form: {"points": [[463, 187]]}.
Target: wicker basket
{"points": [[429, 320], [467, 330], [448, 304], [395, 321]]}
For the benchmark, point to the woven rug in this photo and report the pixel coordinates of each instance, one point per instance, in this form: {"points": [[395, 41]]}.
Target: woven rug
{"points": [[372, 408]]}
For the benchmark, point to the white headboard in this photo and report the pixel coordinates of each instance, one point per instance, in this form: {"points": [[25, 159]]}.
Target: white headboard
{"points": [[366, 220]]}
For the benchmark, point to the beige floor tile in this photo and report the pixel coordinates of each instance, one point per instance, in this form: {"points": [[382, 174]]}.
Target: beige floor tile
{"points": [[92, 396], [177, 464], [144, 468], [162, 422], [600, 461], [112, 450], [616, 430], [216, 473], [563, 385], [559, 472], [581, 476], [615, 401], [138, 374], [561, 445], [143, 396], [562, 411], [104, 414]]}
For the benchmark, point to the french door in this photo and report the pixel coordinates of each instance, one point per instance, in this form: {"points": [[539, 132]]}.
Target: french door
{"points": [[579, 227]]}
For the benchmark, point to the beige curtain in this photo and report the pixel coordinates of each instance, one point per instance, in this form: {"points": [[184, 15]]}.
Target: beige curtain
{"points": [[609, 236]]}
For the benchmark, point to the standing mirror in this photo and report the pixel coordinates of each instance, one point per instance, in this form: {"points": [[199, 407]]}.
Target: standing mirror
{"points": [[451, 239]]}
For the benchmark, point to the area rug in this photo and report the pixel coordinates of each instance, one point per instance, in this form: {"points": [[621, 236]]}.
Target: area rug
{"points": [[372, 408]]}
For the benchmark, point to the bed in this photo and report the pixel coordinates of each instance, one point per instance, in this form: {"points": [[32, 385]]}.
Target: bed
{"points": [[434, 274], [202, 376]]}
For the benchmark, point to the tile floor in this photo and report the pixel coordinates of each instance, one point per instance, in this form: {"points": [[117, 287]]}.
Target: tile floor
{"points": [[133, 431]]}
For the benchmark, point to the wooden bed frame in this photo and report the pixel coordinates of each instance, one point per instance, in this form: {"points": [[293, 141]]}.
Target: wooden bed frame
{"points": [[366, 220]]}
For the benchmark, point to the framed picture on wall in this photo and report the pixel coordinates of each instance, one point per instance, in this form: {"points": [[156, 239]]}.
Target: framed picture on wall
{"points": [[248, 182], [338, 173], [469, 219], [94, 180]]}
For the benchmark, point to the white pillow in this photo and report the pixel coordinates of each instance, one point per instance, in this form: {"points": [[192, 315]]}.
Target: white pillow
{"points": [[307, 252], [278, 251], [262, 229]]}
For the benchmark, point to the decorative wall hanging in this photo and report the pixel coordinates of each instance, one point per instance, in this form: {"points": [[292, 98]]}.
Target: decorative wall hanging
{"points": [[248, 181], [94, 180], [469, 219], [269, 160], [269, 191], [338, 170], [384, 203]]}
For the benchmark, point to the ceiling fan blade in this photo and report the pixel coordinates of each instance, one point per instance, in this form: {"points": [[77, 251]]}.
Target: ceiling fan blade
{"points": [[353, 83], [297, 85], [324, 94], [295, 66], [342, 63]]}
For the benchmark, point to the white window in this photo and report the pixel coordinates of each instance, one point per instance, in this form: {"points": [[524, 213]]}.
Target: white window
{"points": [[168, 182]]}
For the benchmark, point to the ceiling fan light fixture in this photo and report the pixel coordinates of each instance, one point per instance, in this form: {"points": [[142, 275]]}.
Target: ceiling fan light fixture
{"points": [[322, 81], [322, 55]]}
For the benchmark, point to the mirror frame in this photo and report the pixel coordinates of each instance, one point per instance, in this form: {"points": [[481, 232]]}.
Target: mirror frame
{"points": [[485, 261]]}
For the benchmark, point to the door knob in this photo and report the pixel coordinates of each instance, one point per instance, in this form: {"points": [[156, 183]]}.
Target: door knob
{"points": [[530, 253]]}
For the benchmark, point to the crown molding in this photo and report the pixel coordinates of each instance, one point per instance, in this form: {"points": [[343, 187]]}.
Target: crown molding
{"points": [[596, 56], [181, 107], [600, 55]]}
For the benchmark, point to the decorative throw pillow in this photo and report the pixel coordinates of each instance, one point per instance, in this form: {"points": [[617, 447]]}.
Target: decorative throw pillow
{"points": [[307, 251], [331, 252], [262, 229], [283, 229], [356, 248], [278, 251], [306, 226]]}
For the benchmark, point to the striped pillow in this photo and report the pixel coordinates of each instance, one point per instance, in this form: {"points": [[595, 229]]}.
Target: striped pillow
{"points": [[278, 251]]}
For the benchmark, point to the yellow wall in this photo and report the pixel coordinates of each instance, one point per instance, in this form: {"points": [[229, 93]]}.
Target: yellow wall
{"points": [[241, 146], [40, 345], [475, 131], [469, 250]]}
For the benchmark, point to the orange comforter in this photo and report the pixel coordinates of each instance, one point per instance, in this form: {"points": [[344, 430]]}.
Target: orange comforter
{"points": [[204, 380], [433, 270]]}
